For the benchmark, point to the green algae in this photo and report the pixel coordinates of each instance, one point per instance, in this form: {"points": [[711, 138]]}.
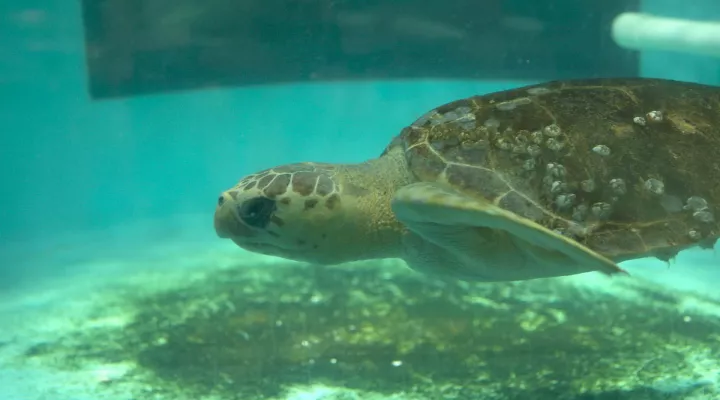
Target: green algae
{"points": [[253, 333]]}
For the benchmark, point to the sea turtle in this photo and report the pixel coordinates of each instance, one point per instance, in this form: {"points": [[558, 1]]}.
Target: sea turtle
{"points": [[540, 181]]}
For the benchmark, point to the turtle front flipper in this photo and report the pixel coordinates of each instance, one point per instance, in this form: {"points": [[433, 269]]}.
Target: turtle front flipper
{"points": [[452, 234]]}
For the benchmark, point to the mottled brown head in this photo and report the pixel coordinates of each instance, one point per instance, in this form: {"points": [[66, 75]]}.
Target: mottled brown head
{"points": [[291, 211]]}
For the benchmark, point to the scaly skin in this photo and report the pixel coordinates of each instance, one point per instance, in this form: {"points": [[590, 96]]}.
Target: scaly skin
{"points": [[319, 213]]}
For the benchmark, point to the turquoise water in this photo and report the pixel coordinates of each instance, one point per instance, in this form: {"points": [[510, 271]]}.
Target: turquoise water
{"points": [[114, 285]]}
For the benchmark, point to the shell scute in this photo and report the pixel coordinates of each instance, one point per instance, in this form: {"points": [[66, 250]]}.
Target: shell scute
{"points": [[470, 178], [625, 186]]}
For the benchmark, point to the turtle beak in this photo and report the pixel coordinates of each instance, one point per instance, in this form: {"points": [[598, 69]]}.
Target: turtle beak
{"points": [[227, 224]]}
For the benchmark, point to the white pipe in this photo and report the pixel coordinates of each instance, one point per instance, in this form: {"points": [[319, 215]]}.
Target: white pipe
{"points": [[638, 31]]}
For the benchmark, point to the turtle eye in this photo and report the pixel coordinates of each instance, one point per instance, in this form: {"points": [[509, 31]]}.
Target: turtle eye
{"points": [[256, 212]]}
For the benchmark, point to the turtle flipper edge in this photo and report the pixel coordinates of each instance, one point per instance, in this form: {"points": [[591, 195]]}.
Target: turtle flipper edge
{"points": [[452, 233]]}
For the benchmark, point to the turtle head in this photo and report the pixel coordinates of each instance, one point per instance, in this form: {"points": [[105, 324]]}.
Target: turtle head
{"points": [[293, 211]]}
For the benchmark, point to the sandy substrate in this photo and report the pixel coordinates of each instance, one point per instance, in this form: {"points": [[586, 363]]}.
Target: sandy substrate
{"points": [[201, 319]]}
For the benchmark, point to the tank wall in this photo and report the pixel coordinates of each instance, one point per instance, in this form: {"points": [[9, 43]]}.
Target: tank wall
{"points": [[70, 163]]}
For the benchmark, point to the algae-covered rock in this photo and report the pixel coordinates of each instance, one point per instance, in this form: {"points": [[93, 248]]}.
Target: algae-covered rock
{"points": [[377, 330]]}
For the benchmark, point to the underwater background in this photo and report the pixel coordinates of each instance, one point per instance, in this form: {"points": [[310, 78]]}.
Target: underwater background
{"points": [[121, 122]]}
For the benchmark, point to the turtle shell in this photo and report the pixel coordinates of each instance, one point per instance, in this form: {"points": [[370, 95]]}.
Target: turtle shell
{"points": [[627, 167]]}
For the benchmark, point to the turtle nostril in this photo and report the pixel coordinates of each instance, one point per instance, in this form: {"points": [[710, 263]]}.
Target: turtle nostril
{"points": [[221, 200]]}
